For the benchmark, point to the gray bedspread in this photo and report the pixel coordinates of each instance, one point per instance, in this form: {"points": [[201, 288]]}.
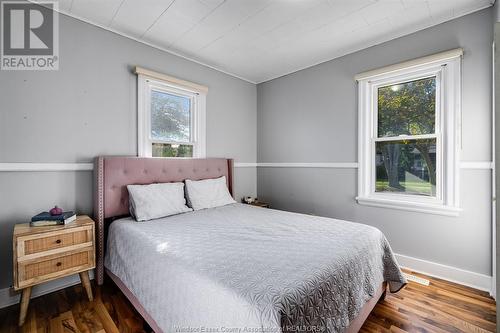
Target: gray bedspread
{"points": [[240, 268]]}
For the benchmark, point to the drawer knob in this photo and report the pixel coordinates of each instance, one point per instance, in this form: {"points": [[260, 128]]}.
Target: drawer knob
{"points": [[58, 264], [58, 241]]}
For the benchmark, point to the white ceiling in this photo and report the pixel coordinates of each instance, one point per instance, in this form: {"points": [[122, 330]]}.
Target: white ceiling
{"points": [[259, 40]]}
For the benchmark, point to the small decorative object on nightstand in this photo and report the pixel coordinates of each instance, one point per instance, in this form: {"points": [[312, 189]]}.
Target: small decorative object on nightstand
{"points": [[255, 202], [43, 254]]}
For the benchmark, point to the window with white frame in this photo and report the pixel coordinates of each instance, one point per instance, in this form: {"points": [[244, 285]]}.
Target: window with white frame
{"points": [[171, 116], [409, 135]]}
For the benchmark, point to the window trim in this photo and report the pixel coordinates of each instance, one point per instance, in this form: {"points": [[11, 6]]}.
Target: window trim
{"points": [[446, 67], [146, 82]]}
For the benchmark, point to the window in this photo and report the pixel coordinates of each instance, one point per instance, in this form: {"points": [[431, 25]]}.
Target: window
{"points": [[171, 116], [409, 120]]}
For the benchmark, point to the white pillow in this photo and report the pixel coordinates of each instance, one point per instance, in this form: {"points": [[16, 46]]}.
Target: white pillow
{"points": [[153, 201], [208, 193]]}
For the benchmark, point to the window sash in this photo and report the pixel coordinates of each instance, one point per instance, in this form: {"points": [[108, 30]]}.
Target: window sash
{"points": [[437, 199], [193, 144], [163, 88], [404, 78], [178, 144], [412, 197], [437, 73], [406, 137], [188, 143]]}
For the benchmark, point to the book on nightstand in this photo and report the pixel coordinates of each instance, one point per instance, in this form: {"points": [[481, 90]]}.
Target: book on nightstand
{"points": [[45, 219]]}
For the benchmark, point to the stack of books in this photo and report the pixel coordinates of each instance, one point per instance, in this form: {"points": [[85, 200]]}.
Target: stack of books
{"points": [[45, 219]]}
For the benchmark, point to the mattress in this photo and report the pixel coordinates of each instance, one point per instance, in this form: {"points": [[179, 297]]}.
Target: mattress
{"points": [[241, 268]]}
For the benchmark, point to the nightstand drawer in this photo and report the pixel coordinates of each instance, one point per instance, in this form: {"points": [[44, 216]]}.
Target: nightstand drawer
{"points": [[41, 270], [57, 241], [47, 243]]}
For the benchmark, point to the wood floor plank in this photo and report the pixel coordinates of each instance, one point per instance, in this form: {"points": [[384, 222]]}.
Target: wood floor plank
{"points": [[455, 310], [30, 323], [439, 315], [64, 323], [89, 321], [56, 325], [106, 320], [68, 323], [128, 322], [441, 307]]}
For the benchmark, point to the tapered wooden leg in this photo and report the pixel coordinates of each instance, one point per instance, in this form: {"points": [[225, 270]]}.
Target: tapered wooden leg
{"points": [[84, 277], [25, 301]]}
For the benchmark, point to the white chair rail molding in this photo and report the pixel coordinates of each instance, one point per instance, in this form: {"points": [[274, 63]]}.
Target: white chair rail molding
{"points": [[84, 166]]}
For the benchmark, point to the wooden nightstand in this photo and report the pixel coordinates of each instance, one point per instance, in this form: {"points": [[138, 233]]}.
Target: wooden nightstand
{"points": [[43, 254]]}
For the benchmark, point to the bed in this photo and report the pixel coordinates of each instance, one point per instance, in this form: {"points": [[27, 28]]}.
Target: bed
{"points": [[236, 268]]}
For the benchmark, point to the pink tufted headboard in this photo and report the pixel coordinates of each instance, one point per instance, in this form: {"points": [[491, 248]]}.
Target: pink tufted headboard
{"points": [[113, 174]]}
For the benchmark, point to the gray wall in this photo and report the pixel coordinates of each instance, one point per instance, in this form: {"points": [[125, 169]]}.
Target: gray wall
{"points": [[497, 146], [88, 108], [311, 116], [496, 9]]}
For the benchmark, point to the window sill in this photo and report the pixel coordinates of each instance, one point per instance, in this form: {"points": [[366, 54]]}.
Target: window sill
{"points": [[419, 207]]}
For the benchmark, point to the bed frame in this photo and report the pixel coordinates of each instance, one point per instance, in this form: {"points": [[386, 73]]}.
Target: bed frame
{"points": [[112, 175]]}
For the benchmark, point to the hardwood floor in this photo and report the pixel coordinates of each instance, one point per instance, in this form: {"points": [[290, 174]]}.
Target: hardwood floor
{"points": [[69, 311], [440, 307]]}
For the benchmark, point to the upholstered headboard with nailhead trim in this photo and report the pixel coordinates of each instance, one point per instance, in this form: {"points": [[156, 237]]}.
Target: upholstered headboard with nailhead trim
{"points": [[114, 173]]}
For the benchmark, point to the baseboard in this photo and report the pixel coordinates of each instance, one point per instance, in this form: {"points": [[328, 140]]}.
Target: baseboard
{"points": [[9, 297], [448, 273]]}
